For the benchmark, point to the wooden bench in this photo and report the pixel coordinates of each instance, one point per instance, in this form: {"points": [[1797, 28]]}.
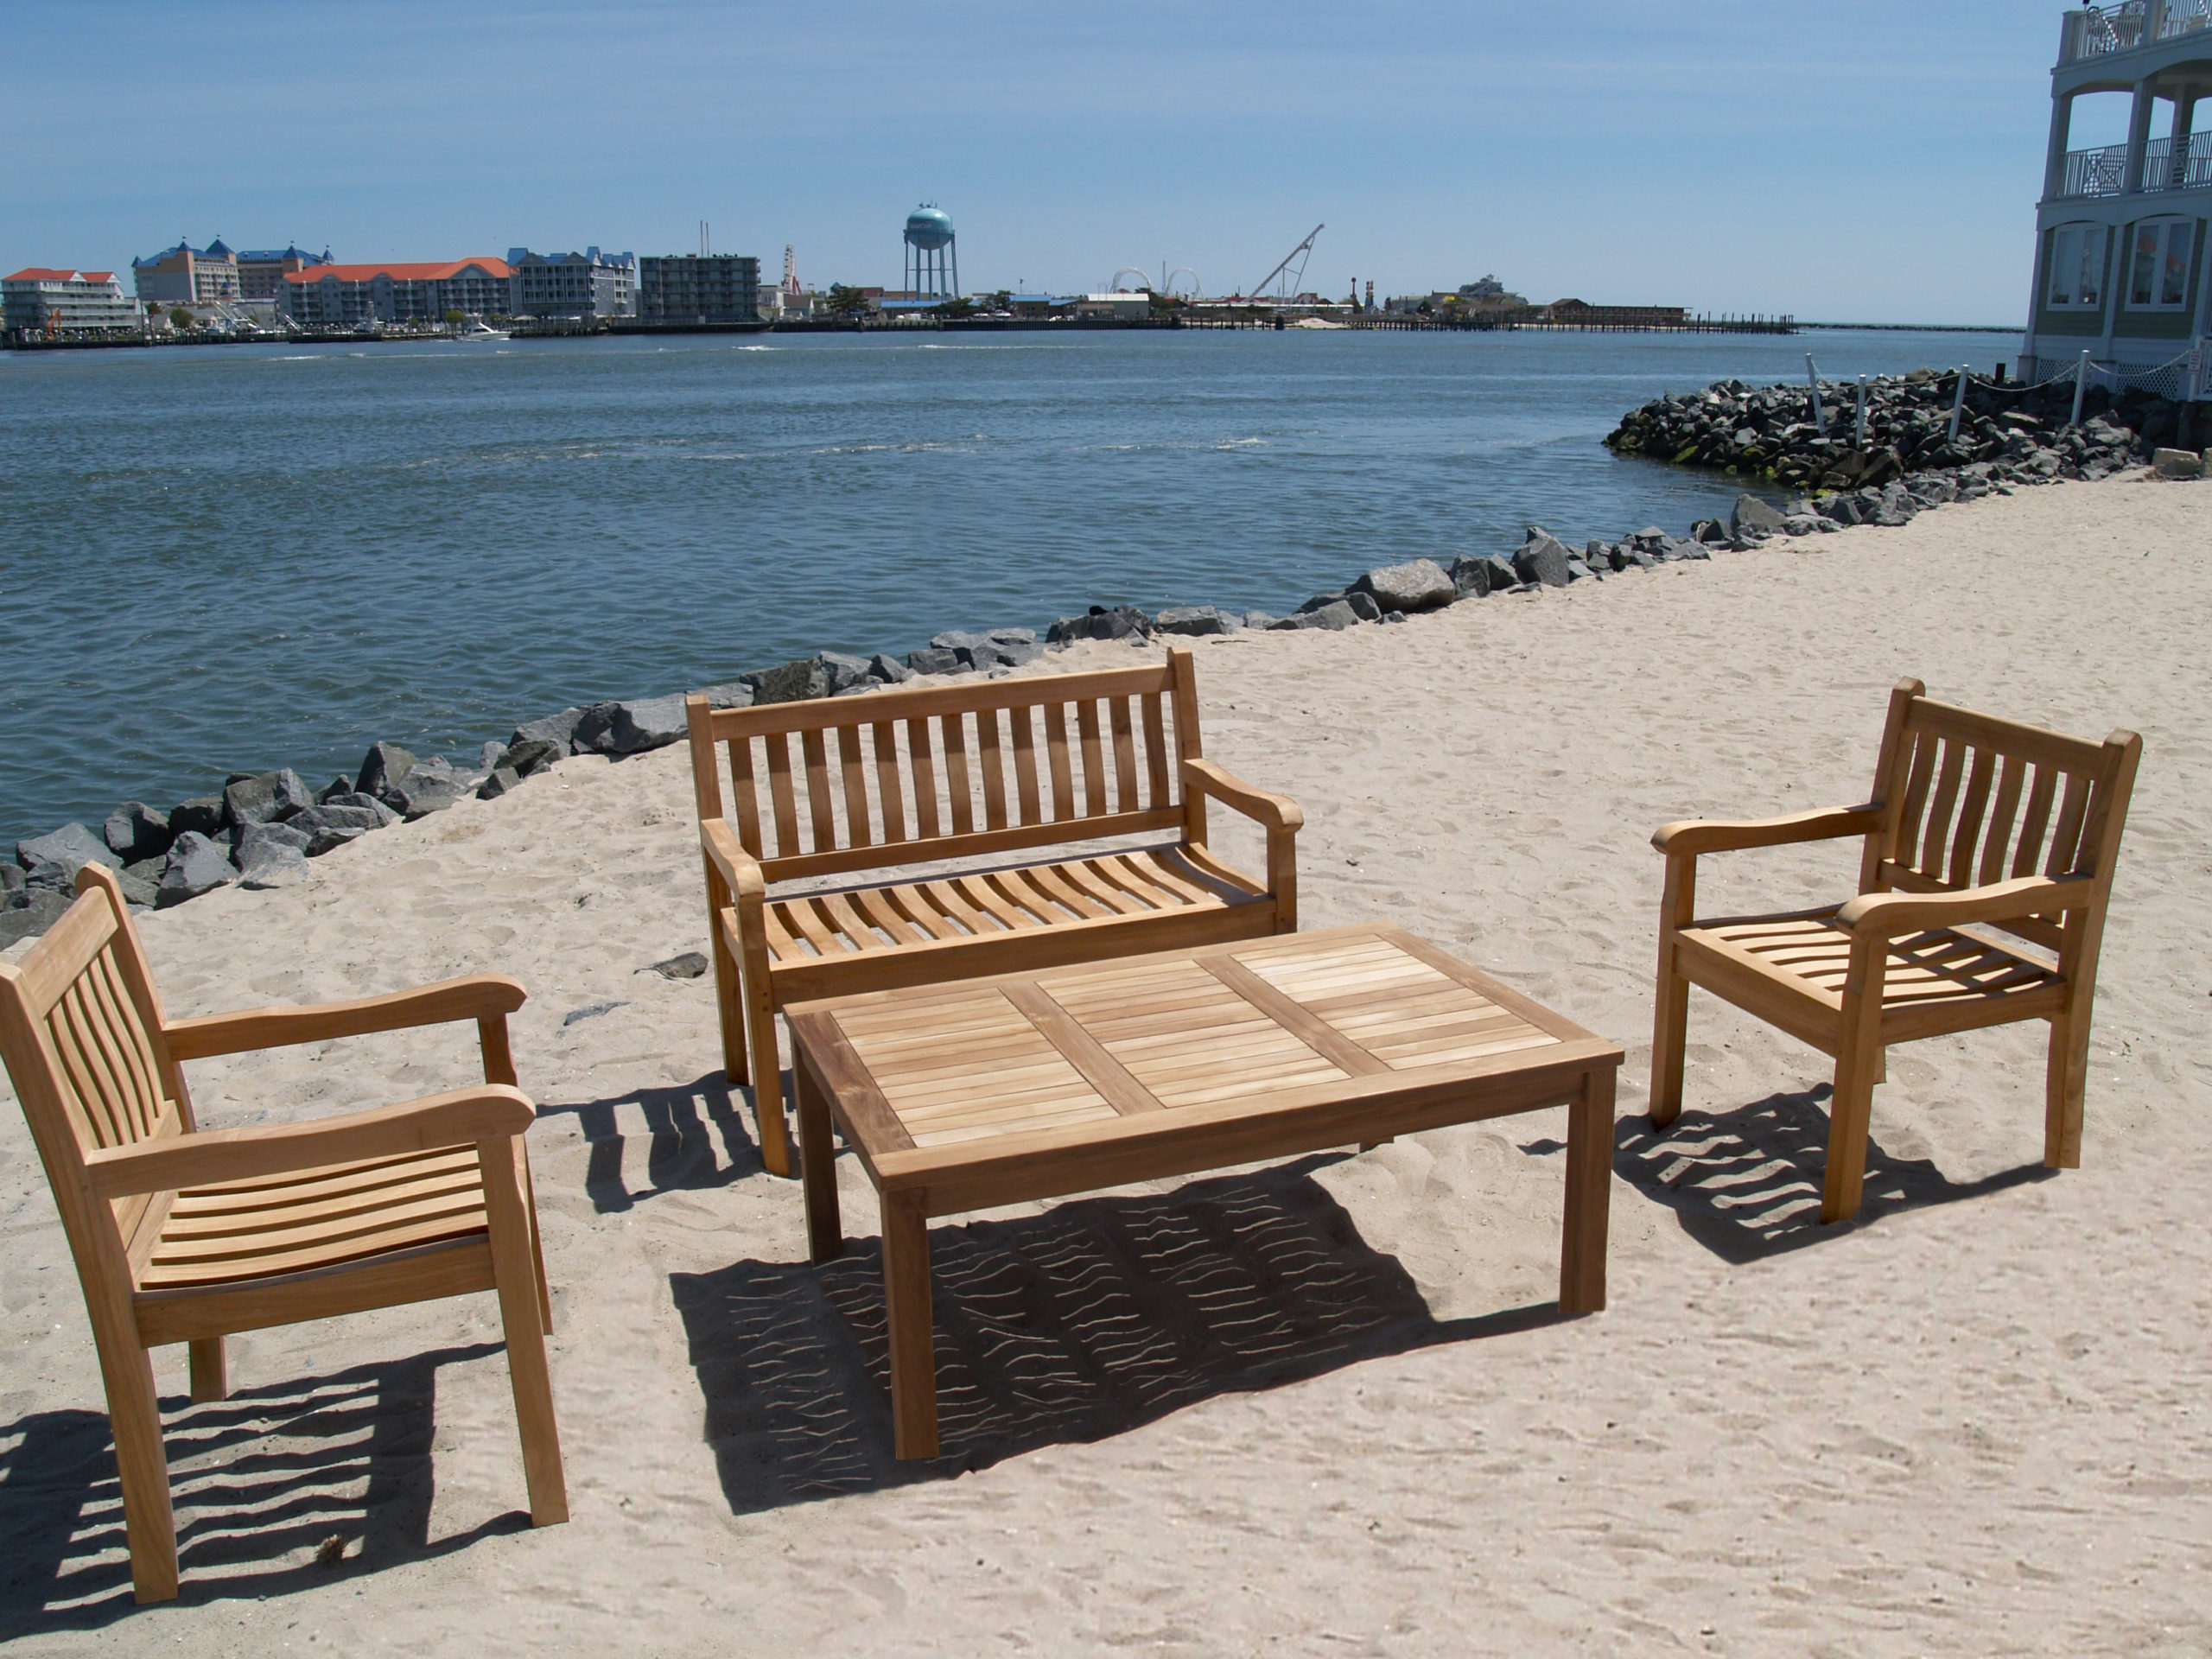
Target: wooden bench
{"points": [[983, 770]]}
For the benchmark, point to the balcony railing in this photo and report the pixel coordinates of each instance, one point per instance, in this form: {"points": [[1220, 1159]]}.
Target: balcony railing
{"points": [[2187, 166], [2096, 31], [2094, 172]]}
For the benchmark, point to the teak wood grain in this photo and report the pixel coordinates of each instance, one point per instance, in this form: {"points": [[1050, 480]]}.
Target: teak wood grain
{"points": [[1973, 821], [1052, 1081], [944, 773], [181, 1234]]}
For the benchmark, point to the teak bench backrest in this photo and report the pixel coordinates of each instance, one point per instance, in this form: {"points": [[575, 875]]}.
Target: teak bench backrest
{"points": [[1969, 800], [82, 1030], [903, 776]]}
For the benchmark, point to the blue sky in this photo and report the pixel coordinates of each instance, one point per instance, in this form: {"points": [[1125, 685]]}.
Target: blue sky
{"points": [[1874, 161]]}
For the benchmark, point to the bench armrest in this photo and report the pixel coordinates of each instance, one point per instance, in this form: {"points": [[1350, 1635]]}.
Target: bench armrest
{"points": [[478, 996], [460, 1118], [1275, 811], [741, 871], [1692, 836], [1885, 915]]}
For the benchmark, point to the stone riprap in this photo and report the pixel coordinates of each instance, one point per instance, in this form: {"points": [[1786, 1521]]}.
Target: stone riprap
{"points": [[264, 827], [2018, 433]]}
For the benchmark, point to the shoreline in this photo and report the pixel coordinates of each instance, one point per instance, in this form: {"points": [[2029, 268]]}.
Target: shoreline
{"points": [[203, 844], [1172, 1401]]}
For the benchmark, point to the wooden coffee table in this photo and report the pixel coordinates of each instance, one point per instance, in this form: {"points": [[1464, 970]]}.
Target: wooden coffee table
{"points": [[989, 1092]]}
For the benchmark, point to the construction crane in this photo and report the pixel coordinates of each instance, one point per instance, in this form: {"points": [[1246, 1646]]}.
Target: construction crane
{"points": [[1290, 279]]}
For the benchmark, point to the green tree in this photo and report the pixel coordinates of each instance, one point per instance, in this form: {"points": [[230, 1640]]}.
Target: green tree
{"points": [[455, 317], [845, 302], [180, 319]]}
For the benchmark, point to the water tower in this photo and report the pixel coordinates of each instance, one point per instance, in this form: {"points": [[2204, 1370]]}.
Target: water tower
{"points": [[933, 255]]}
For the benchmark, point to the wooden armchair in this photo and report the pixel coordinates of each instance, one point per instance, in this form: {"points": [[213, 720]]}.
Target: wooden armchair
{"points": [[1959, 833], [185, 1236], [931, 773]]}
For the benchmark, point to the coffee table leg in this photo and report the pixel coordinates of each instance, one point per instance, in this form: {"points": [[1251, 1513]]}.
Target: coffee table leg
{"points": [[1589, 1196], [907, 1302], [825, 1236]]}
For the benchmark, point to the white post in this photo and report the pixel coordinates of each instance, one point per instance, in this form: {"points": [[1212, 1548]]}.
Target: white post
{"points": [[1813, 379], [1859, 431], [1958, 404], [2080, 389]]}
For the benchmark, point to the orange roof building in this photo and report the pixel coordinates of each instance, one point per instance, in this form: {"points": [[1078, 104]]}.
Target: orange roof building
{"points": [[328, 296], [41, 298]]}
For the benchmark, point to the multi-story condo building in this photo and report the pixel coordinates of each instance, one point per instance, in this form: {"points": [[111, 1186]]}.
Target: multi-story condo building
{"points": [[698, 288], [185, 274], [2120, 232], [261, 272], [572, 284], [331, 296], [48, 301]]}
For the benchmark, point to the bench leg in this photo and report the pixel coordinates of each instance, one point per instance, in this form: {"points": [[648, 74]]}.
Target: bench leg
{"points": [[817, 1164], [906, 1303], [1589, 1196], [1859, 1065]]}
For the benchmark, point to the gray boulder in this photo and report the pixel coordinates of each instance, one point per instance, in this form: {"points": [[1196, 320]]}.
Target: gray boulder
{"points": [[1478, 578], [1417, 585], [202, 815], [1579, 570], [989, 654], [845, 671], [932, 659], [383, 770], [788, 682], [1119, 623], [335, 822], [134, 831], [272, 855], [29, 913], [196, 864], [889, 670], [12, 882], [1543, 558], [732, 696], [1334, 614], [498, 782], [2176, 463], [1192, 620], [141, 882], [558, 729], [431, 786], [528, 758], [1259, 619], [633, 727], [1752, 516], [53, 860], [331, 789], [958, 640], [266, 797]]}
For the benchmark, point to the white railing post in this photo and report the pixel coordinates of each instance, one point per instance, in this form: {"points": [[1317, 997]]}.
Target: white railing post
{"points": [[1813, 379], [1859, 426], [2081, 388], [1958, 404]]}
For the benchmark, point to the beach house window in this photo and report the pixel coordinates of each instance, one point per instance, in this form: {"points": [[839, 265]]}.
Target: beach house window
{"points": [[2077, 265], [2158, 280]]}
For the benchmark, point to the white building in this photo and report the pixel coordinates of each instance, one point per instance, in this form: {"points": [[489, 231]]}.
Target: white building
{"points": [[41, 301], [341, 296], [1122, 307], [583, 284]]}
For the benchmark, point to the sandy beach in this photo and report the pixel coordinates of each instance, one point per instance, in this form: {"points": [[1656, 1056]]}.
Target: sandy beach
{"points": [[1324, 1407]]}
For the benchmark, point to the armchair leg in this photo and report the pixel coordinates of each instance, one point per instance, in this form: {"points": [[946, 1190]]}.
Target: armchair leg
{"points": [[1669, 1031], [730, 1000], [149, 1523], [1858, 1065], [514, 1263], [210, 1376], [767, 1079], [2063, 1085]]}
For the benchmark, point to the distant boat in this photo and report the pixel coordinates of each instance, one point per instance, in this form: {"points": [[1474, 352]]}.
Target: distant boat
{"points": [[477, 329]]}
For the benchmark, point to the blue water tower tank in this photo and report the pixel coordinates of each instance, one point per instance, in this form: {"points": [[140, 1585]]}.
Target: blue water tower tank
{"points": [[928, 228]]}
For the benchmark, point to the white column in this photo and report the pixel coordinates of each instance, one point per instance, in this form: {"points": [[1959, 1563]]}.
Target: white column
{"points": [[2139, 134], [2061, 123]]}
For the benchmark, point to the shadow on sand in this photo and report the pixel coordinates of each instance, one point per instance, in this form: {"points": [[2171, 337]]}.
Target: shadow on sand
{"points": [[1747, 1184], [695, 1140], [1097, 1317], [260, 1482]]}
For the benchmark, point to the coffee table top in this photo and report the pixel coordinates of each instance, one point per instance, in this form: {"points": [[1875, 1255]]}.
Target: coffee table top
{"points": [[1021, 1070]]}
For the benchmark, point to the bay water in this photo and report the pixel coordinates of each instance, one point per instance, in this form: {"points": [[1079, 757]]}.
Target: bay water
{"points": [[231, 559]]}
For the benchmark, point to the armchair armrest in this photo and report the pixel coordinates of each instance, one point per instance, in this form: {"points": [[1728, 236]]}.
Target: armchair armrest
{"points": [[1692, 836], [1275, 811], [1884, 915], [478, 996], [459, 1118], [741, 871]]}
